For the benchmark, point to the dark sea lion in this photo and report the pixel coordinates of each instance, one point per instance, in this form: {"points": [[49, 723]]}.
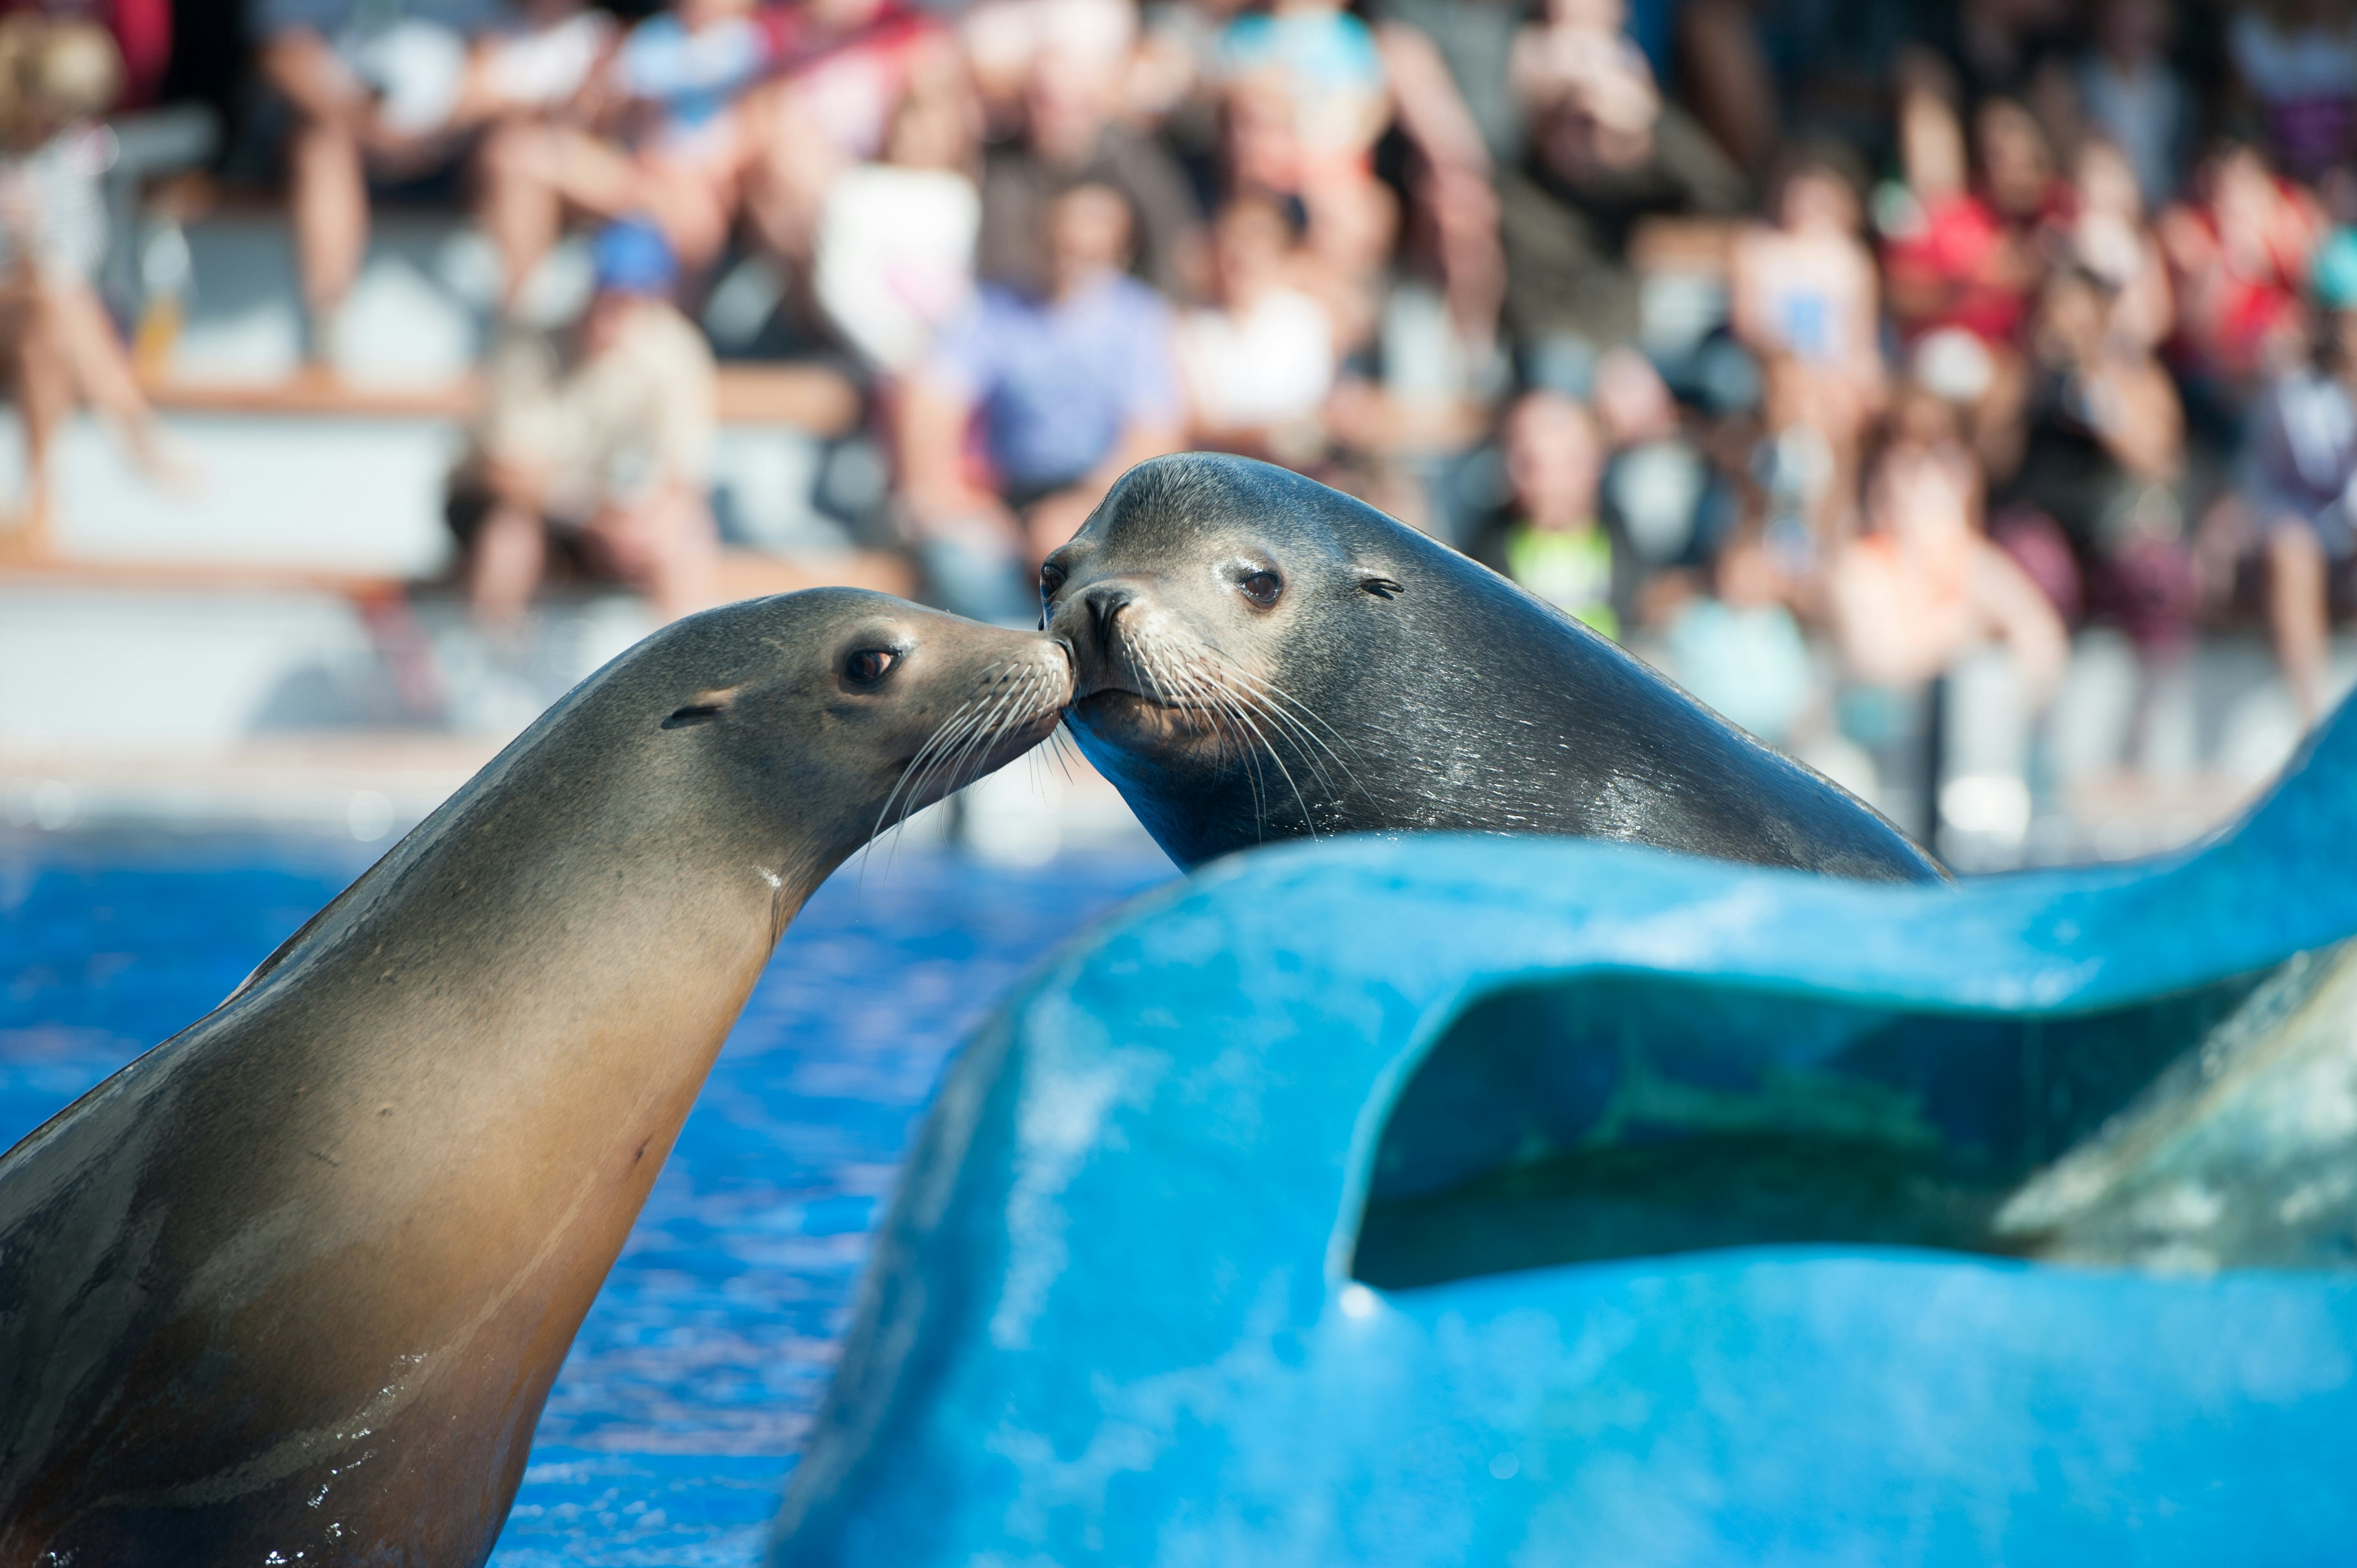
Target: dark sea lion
{"points": [[292, 1287], [1259, 657]]}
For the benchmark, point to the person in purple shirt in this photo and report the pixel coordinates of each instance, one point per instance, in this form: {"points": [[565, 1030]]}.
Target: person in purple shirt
{"points": [[1065, 391]]}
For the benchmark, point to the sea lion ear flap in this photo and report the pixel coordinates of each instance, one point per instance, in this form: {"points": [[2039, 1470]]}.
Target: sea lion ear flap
{"points": [[703, 708], [1383, 587]]}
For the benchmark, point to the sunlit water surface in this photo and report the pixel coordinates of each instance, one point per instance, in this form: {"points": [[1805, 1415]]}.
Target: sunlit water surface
{"points": [[680, 1409]]}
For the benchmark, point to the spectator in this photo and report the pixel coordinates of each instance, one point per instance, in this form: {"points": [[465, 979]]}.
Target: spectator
{"points": [[1960, 281], [1550, 537], [1068, 137], [1923, 586], [2299, 485], [53, 235], [1606, 153], [2297, 61], [676, 83], [597, 441], [1449, 62], [376, 90], [538, 60], [2239, 253], [1738, 651], [848, 67], [1805, 303], [896, 238], [1070, 388], [2133, 95], [1258, 365], [1306, 96], [2106, 462], [2108, 240], [2018, 178]]}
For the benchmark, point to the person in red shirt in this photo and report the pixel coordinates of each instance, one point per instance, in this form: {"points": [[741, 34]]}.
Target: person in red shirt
{"points": [[1960, 279], [2240, 253]]}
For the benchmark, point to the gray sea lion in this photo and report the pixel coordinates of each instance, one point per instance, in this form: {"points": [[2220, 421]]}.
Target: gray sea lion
{"points": [[292, 1287], [1259, 657]]}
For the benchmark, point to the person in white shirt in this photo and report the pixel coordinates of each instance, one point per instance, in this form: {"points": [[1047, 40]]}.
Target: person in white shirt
{"points": [[1258, 365], [896, 238]]}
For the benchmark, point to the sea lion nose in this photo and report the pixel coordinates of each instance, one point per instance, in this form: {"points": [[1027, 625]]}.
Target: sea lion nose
{"points": [[1104, 605]]}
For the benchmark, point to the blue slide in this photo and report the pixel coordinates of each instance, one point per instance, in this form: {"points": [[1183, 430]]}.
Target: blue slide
{"points": [[1471, 1201]]}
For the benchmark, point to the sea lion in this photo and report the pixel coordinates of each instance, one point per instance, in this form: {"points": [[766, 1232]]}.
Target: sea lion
{"points": [[292, 1287], [1259, 657]]}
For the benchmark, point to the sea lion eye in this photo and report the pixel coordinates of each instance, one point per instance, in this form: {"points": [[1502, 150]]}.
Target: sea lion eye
{"points": [[868, 664], [1261, 588], [1051, 580]]}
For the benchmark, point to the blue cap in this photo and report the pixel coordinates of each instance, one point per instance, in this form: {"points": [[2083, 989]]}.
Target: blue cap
{"points": [[633, 257], [2335, 277]]}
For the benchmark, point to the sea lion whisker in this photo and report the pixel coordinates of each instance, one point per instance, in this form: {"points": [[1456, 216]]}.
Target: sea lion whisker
{"points": [[1238, 685], [1311, 747], [1308, 818], [1304, 714], [992, 728], [909, 769], [1061, 746], [885, 825], [1221, 713]]}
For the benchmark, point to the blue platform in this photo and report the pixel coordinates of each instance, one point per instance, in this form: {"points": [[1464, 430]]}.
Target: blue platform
{"points": [[1484, 1202]]}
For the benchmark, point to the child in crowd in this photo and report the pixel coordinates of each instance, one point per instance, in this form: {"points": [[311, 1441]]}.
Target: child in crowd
{"points": [[1323, 66], [1738, 651], [1805, 302], [845, 67], [2299, 485], [1921, 586], [56, 78], [1551, 537], [1306, 96]]}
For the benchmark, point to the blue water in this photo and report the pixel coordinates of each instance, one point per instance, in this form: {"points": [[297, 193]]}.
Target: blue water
{"points": [[680, 1409]]}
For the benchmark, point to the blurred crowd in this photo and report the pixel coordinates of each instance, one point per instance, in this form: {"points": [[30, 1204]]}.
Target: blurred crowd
{"points": [[1816, 347]]}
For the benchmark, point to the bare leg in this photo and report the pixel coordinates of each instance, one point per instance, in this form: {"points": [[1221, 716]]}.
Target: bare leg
{"points": [[101, 368], [2296, 614], [44, 397], [522, 206], [510, 553], [330, 219], [330, 190]]}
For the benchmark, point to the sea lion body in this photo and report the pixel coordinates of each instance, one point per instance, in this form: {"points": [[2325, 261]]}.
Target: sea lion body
{"points": [[1259, 657], [293, 1286]]}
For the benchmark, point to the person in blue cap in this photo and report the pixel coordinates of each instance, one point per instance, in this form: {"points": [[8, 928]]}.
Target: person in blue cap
{"points": [[594, 446], [2299, 483]]}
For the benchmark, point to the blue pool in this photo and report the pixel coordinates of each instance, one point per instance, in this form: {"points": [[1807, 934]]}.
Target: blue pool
{"points": [[682, 1403]]}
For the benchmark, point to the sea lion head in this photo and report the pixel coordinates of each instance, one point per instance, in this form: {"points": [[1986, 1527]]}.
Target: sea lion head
{"points": [[1219, 611], [842, 711]]}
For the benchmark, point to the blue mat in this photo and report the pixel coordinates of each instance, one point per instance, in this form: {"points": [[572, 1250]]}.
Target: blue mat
{"points": [[687, 1394]]}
